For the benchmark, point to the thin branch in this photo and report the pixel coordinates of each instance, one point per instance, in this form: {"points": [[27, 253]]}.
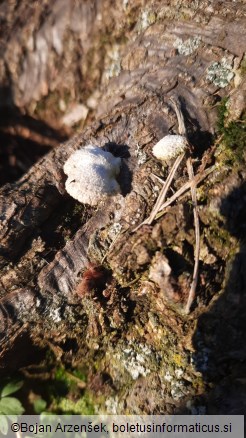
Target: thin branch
{"points": [[192, 292]]}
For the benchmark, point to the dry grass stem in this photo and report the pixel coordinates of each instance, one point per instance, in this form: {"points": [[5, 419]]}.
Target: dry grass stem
{"points": [[192, 291]]}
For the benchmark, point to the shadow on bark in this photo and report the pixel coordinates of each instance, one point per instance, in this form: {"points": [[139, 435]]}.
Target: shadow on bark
{"points": [[24, 139], [220, 336]]}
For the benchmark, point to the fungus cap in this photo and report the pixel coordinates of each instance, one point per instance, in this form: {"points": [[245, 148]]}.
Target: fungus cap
{"points": [[169, 147], [91, 174]]}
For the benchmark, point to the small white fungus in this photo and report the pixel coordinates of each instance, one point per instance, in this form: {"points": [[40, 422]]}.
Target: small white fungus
{"points": [[169, 147], [91, 175]]}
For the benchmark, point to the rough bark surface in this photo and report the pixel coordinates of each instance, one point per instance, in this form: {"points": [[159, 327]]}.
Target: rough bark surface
{"points": [[128, 326]]}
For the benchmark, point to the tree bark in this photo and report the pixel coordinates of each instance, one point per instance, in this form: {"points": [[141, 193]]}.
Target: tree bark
{"points": [[128, 327]]}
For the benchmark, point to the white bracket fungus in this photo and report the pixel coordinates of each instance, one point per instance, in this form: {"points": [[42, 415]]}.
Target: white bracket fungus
{"points": [[91, 175], [169, 147]]}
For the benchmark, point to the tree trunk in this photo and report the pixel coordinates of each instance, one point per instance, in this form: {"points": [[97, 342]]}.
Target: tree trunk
{"points": [[129, 330]]}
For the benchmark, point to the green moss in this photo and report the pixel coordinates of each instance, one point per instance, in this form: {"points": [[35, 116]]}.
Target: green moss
{"points": [[198, 384], [69, 378], [80, 375], [82, 406], [234, 138], [234, 135], [221, 240], [66, 395], [78, 209], [222, 113], [179, 360], [243, 67]]}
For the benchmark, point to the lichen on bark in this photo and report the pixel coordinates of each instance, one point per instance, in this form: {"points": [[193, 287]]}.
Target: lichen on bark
{"points": [[140, 353]]}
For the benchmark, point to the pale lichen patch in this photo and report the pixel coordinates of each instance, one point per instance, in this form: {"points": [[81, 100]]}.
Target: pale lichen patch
{"points": [[114, 62], [220, 73], [146, 19], [188, 46], [136, 359]]}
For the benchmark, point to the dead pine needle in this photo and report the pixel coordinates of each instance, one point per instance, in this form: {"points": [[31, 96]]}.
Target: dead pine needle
{"points": [[185, 187], [159, 206], [192, 292], [176, 104], [163, 193], [182, 131]]}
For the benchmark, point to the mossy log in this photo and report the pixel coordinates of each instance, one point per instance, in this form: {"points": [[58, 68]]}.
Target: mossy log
{"points": [[126, 326]]}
